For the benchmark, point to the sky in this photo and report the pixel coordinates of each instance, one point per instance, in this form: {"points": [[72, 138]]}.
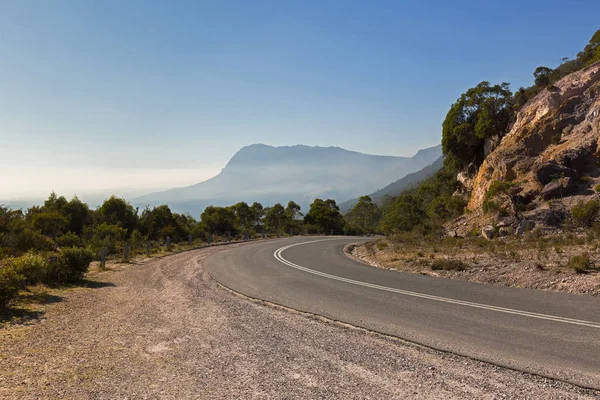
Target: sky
{"points": [[133, 96]]}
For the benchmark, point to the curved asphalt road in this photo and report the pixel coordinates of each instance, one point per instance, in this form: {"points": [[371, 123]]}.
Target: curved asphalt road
{"points": [[551, 334]]}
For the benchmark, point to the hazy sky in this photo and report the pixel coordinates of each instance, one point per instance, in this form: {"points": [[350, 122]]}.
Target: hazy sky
{"points": [[97, 95]]}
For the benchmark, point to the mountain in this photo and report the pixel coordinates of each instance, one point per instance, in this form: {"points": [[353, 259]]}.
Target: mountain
{"points": [[270, 174], [395, 188]]}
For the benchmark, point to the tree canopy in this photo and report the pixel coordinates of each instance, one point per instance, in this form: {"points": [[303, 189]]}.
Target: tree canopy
{"points": [[481, 112], [325, 216], [364, 217]]}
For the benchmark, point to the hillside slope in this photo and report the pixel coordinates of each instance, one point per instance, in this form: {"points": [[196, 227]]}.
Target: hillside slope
{"points": [[395, 188], [301, 173], [550, 155]]}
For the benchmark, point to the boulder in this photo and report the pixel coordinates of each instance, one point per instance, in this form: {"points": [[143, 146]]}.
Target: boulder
{"points": [[488, 232], [525, 226], [552, 171], [559, 188], [505, 231], [544, 216]]}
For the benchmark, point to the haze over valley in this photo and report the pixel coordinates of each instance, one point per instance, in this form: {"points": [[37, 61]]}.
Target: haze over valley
{"points": [[301, 173]]}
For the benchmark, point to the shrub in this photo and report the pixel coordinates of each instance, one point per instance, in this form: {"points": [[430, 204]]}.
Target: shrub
{"points": [[70, 266], [382, 245], [584, 213], [110, 237], [16, 243], [33, 267], [69, 239], [10, 283], [597, 188], [580, 263], [448, 265]]}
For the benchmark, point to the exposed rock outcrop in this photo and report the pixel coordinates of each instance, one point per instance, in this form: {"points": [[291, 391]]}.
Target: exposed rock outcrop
{"points": [[555, 136]]}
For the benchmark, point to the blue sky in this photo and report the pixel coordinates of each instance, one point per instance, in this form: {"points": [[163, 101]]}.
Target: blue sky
{"points": [[147, 94]]}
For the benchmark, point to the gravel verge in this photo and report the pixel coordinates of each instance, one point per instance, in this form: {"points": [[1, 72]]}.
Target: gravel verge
{"points": [[164, 330]]}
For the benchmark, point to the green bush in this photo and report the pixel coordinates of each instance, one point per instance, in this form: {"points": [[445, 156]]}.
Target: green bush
{"points": [[70, 266], [19, 242], [10, 283], [448, 265], [33, 267], [584, 213], [110, 237], [69, 239], [580, 263]]}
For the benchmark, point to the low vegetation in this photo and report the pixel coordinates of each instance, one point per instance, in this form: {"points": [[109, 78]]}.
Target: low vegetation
{"points": [[55, 243], [580, 263], [534, 260]]}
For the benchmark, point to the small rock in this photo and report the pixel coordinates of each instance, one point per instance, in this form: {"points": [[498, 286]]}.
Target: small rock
{"points": [[488, 232], [525, 226], [505, 231]]}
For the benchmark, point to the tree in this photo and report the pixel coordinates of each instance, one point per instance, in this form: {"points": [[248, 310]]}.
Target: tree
{"points": [[481, 112], [243, 216], [258, 213], [160, 223], [219, 220], [54, 202], [108, 236], [50, 223], [542, 76], [292, 212], [591, 52], [78, 214], [325, 215], [117, 211], [365, 215], [275, 217], [404, 214]]}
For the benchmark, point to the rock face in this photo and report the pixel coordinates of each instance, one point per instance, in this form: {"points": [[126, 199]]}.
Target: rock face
{"points": [[525, 226], [558, 189], [552, 144]]}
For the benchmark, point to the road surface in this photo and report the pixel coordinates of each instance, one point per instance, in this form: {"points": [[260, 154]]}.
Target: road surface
{"points": [[550, 334]]}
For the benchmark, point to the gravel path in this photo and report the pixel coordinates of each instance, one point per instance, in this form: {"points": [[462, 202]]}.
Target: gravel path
{"points": [[165, 330]]}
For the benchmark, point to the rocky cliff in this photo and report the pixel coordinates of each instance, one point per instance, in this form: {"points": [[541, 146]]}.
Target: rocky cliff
{"points": [[550, 155]]}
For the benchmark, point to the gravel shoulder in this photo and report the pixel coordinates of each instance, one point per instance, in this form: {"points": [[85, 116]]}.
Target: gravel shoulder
{"points": [[163, 329]]}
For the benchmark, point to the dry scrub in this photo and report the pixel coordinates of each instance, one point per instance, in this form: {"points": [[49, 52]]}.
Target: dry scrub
{"points": [[566, 263]]}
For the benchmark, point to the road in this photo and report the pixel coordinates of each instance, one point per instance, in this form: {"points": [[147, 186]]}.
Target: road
{"points": [[550, 334]]}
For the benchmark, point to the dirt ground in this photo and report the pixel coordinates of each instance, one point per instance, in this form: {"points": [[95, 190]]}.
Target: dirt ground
{"points": [[162, 329], [527, 262]]}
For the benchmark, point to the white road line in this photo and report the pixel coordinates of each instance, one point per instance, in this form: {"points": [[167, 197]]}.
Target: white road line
{"points": [[554, 318]]}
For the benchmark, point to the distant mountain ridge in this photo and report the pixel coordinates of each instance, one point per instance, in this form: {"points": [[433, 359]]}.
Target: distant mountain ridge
{"points": [[395, 188], [301, 173]]}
